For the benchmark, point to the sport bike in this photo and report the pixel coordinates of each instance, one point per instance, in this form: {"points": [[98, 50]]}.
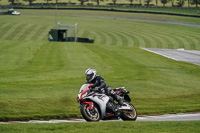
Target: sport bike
{"points": [[95, 105]]}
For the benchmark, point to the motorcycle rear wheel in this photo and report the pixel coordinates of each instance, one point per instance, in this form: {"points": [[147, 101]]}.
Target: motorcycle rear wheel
{"points": [[90, 115], [129, 115]]}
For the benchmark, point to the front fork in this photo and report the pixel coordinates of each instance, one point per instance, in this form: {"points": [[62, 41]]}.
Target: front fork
{"points": [[91, 105]]}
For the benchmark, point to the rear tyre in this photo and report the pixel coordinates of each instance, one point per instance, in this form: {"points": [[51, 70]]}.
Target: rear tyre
{"points": [[90, 115], [129, 115]]}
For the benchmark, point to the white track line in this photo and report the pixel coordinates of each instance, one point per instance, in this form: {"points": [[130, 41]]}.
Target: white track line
{"points": [[166, 117], [159, 54]]}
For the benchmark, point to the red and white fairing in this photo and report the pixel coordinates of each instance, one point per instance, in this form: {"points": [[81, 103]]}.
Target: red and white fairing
{"points": [[100, 99]]}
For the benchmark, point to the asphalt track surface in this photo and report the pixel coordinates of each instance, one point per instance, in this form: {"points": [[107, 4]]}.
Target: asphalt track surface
{"points": [[191, 56], [167, 117]]}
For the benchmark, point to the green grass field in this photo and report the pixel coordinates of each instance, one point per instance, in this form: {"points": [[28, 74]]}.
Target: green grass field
{"points": [[40, 79], [102, 127]]}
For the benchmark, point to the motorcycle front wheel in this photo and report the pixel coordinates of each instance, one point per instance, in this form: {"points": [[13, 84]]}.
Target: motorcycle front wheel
{"points": [[129, 115], [90, 115]]}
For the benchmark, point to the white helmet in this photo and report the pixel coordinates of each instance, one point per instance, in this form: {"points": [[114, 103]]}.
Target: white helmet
{"points": [[90, 74]]}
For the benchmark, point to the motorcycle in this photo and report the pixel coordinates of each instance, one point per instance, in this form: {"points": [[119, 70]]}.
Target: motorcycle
{"points": [[96, 105]]}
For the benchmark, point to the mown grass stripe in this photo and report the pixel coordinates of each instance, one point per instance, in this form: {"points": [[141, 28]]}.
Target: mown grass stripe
{"points": [[173, 40], [145, 42], [185, 35], [99, 37], [32, 33], [16, 32], [194, 33], [189, 41], [156, 41], [136, 39], [169, 43], [176, 42], [125, 39], [164, 37], [43, 57], [4, 28], [166, 43], [194, 41], [186, 43], [181, 44], [21, 31], [27, 32], [4, 25], [120, 39], [159, 41], [197, 45], [152, 30], [113, 34], [10, 31], [131, 41], [140, 40], [36, 33], [44, 34], [95, 37], [112, 37], [106, 38], [103, 37], [18, 58], [78, 54]]}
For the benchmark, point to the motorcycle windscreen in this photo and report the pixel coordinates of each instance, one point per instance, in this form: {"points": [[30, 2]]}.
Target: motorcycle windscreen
{"points": [[83, 87], [127, 98]]}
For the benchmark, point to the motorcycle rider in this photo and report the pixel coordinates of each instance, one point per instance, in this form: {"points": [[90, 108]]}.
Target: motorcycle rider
{"points": [[98, 82]]}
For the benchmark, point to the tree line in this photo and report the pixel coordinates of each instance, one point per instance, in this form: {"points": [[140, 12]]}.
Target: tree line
{"points": [[174, 3]]}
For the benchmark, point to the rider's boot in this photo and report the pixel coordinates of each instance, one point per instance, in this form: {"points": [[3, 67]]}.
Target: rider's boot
{"points": [[118, 99]]}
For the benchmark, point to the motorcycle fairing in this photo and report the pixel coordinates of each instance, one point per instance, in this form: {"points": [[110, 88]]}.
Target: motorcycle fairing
{"points": [[101, 100]]}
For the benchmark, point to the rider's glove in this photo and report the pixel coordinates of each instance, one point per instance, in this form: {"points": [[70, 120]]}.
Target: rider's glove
{"points": [[91, 87], [96, 89]]}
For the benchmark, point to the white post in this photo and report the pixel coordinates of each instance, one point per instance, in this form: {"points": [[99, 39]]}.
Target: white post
{"points": [[58, 25], [68, 27], [75, 31]]}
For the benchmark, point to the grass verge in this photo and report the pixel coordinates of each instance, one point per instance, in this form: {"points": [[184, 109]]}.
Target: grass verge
{"points": [[102, 127]]}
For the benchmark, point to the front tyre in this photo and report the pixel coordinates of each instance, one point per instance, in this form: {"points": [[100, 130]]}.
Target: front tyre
{"points": [[129, 115], [90, 115]]}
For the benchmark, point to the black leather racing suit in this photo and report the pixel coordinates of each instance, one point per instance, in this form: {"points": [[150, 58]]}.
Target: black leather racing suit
{"points": [[99, 82]]}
